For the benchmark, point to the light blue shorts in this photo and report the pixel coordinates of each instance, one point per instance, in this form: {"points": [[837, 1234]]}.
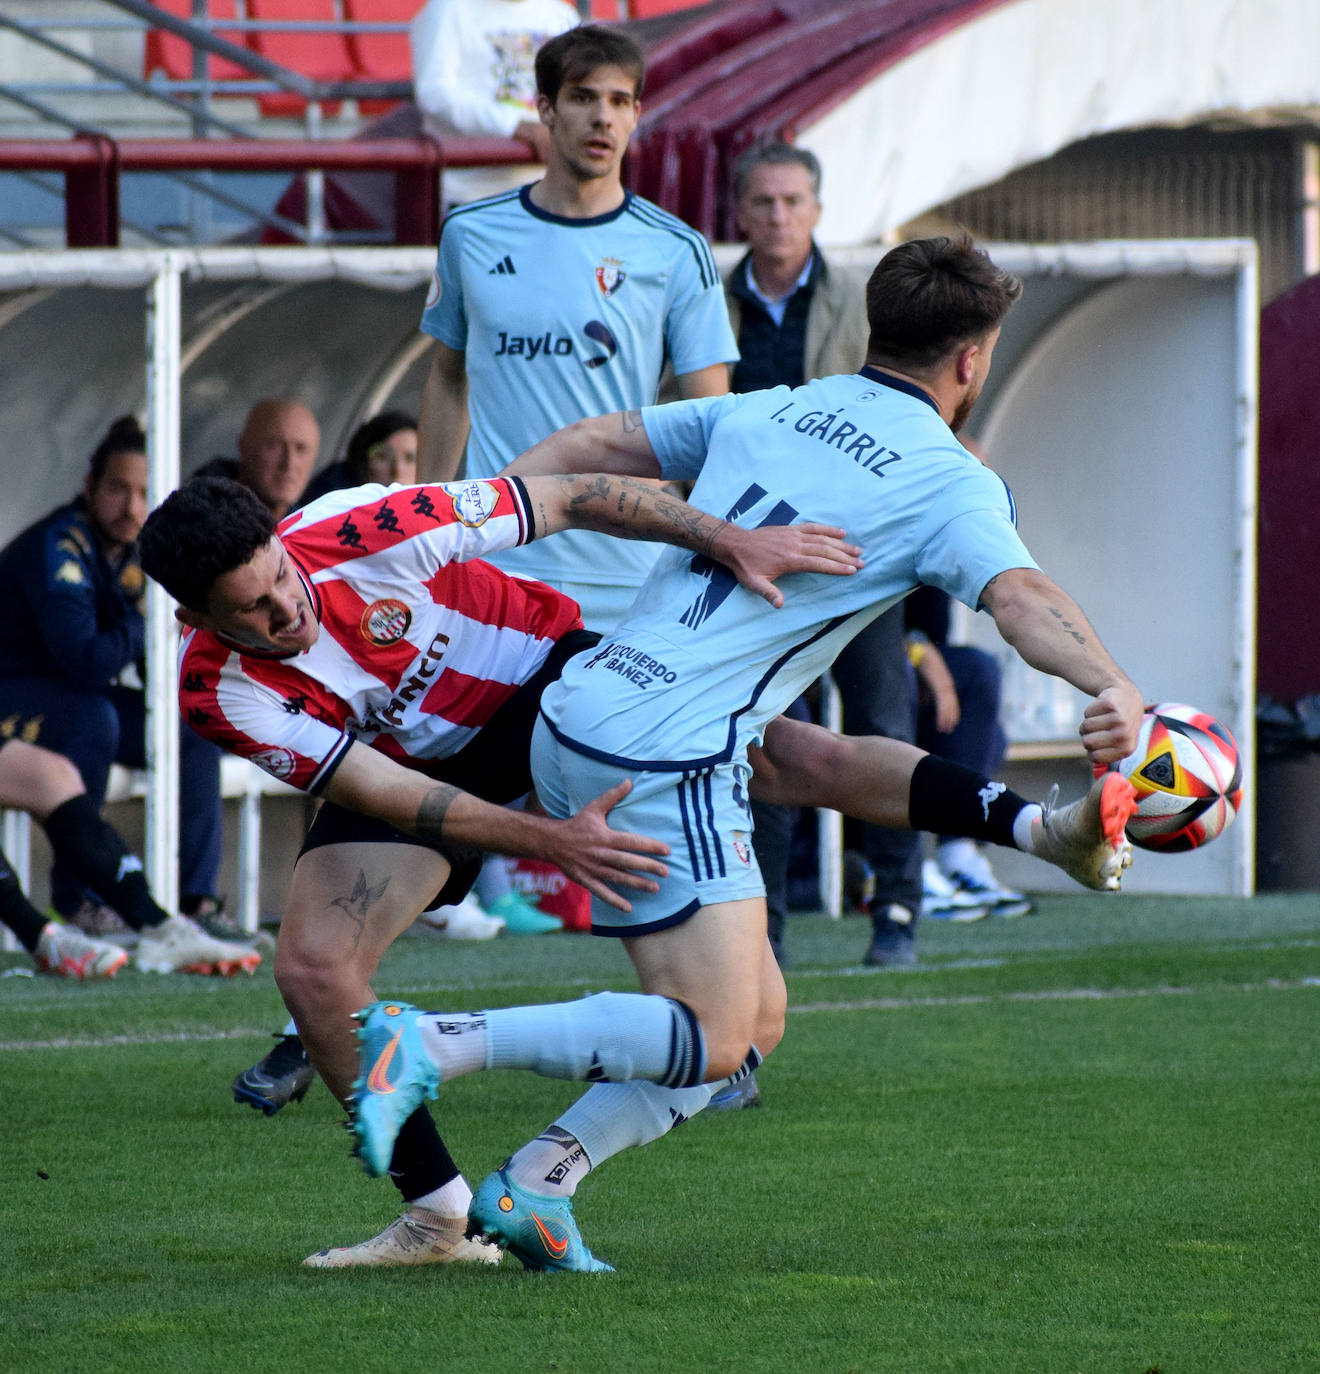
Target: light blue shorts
{"points": [[702, 815]]}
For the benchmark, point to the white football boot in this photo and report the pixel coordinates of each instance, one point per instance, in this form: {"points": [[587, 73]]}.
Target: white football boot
{"points": [[419, 1236], [1087, 838], [180, 945]]}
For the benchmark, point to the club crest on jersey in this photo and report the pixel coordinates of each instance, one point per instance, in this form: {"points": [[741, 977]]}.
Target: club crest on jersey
{"points": [[69, 572], [610, 276], [474, 503], [433, 291], [385, 622], [277, 761]]}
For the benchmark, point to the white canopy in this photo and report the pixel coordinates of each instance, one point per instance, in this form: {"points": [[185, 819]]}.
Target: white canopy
{"points": [[1026, 79]]}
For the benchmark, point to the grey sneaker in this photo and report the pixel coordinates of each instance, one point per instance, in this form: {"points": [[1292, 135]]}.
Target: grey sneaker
{"points": [[419, 1236], [1087, 838], [180, 945]]}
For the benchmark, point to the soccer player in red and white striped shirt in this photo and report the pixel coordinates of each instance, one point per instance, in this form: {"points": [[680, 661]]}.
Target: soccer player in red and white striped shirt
{"points": [[363, 652]]}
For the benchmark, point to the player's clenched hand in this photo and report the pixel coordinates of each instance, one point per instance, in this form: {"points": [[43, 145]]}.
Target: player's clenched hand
{"points": [[600, 859], [756, 557], [1110, 724]]}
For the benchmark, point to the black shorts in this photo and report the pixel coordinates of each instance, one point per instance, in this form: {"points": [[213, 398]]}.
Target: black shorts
{"points": [[494, 765]]}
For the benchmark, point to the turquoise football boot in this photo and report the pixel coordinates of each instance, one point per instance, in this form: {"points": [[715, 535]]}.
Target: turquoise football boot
{"points": [[540, 1231]]}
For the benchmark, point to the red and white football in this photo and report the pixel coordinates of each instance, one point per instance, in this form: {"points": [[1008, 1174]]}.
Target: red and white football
{"points": [[1188, 779]]}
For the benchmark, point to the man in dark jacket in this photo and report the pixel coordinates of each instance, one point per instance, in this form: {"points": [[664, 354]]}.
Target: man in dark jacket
{"points": [[72, 658]]}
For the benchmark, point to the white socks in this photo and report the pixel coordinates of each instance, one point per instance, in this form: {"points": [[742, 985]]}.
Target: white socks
{"points": [[1022, 827]]}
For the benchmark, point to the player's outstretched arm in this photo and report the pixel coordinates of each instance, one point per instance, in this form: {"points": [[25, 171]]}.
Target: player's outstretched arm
{"points": [[1048, 628], [604, 443], [631, 509], [584, 846]]}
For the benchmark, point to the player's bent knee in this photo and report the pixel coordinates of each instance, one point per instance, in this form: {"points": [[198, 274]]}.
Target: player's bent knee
{"points": [[308, 982], [769, 1031], [725, 1057]]}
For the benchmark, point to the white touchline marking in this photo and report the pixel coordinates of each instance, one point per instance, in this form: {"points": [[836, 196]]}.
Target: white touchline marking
{"points": [[202, 1036], [208, 1035], [1052, 995]]}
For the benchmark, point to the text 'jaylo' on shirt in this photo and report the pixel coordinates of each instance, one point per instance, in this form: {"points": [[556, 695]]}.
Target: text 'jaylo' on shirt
{"points": [[560, 319]]}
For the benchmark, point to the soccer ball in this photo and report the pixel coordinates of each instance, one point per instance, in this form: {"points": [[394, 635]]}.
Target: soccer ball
{"points": [[1187, 776]]}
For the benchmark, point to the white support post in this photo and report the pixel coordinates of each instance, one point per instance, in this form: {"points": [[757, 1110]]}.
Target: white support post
{"points": [[16, 840], [164, 337], [829, 824], [1244, 658], [249, 853]]}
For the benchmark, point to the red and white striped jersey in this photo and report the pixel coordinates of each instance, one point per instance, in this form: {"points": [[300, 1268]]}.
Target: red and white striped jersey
{"points": [[421, 642]]}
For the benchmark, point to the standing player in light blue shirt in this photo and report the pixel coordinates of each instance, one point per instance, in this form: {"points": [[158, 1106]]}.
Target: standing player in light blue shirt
{"points": [[565, 299], [682, 698]]}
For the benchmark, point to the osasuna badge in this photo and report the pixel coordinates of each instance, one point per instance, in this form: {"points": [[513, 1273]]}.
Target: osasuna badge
{"points": [[385, 622], [474, 503], [610, 276]]}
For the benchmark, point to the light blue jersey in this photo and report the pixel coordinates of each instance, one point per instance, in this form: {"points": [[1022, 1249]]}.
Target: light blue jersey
{"points": [[561, 319], [692, 675]]}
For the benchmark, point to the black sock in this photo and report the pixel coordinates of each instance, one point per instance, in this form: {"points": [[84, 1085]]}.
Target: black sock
{"points": [[92, 849], [16, 911], [420, 1163], [948, 799]]}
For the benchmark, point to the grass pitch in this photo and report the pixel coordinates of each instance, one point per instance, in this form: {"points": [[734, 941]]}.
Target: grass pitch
{"points": [[1083, 1141]]}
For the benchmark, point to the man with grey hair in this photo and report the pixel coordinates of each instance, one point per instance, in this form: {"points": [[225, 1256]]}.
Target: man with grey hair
{"points": [[796, 316]]}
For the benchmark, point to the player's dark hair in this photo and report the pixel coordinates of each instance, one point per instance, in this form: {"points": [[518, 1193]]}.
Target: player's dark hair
{"points": [[209, 527], [928, 297], [776, 154], [124, 436], [370, 433], [576, 53]]}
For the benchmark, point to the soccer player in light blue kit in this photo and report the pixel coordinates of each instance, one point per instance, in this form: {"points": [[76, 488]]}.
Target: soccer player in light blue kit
{"points": [[686, 690], [563, 299]]}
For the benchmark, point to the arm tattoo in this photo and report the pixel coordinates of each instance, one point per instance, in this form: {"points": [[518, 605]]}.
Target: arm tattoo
{"points": [[631, 421], [632, 510], [433, 809], [1067, 626]]}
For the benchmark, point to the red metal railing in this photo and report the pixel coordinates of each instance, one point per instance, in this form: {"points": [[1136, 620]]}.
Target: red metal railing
{"points": [[92, 165]]}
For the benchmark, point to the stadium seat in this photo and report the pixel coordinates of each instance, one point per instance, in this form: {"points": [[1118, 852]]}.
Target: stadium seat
{"points": [[321, 56], [167, 53], [380, 56]]}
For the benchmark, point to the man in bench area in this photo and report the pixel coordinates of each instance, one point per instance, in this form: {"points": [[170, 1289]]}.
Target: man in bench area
{"points": [[71, 669], [364, 651]]}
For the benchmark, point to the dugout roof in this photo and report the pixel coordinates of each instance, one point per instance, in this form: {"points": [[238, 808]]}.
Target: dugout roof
{"points": [[909, 103]]}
